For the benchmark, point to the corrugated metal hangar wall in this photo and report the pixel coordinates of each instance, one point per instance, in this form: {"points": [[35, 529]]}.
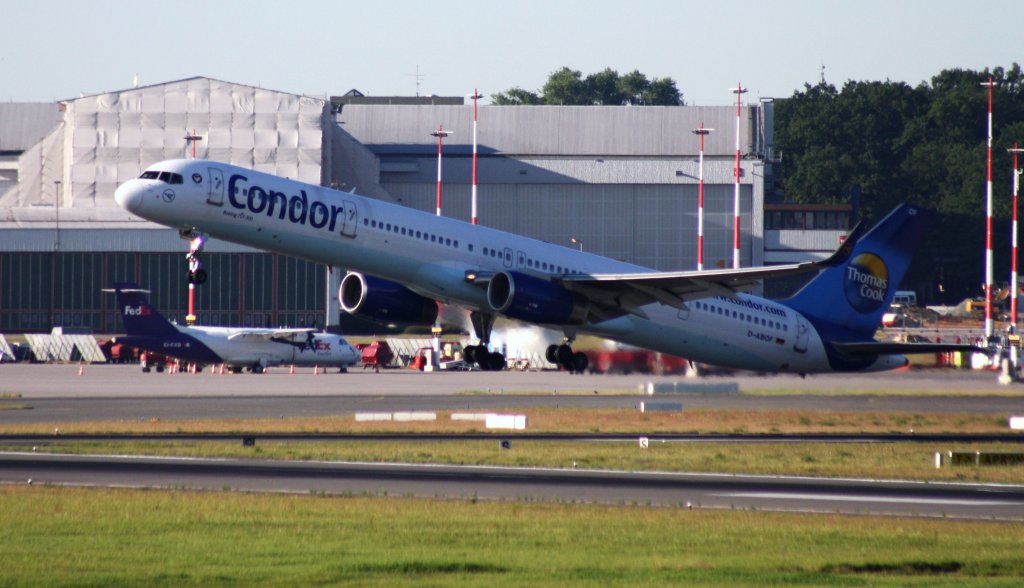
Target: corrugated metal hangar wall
{"points": [[621, 180]]}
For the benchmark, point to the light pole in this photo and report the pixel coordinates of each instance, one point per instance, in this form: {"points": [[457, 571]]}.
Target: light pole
{"points": [[739, 90], [702, 132], [440, 133], [1013, 239], [56, 212], [576, 242], [191, 140], [988, 218], [1014, 345], [476, 96]]}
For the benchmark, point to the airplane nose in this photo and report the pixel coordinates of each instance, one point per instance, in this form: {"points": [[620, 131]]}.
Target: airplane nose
{"points": [[128, 196]]}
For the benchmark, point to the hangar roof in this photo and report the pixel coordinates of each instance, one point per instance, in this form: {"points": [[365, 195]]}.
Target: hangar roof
{"points": [[23, 124]]}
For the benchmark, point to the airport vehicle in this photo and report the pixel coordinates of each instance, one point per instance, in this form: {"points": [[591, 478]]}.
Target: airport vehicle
{"points": [[237, 348], [402, 262]]}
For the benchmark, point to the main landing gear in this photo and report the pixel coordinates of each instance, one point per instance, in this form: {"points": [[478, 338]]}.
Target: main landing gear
{"points": [[575, 362], [489, 361]]}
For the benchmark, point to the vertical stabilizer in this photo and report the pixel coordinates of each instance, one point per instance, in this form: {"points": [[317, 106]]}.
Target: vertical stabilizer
{"points": [[140, 318], [846, 302]]}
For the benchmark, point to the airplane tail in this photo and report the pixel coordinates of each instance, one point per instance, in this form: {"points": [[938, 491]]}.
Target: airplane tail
{"points": [[846, 302], [140, 318]]}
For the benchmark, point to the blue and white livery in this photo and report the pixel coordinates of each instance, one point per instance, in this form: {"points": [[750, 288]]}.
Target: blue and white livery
{"points": [[403, 261]]}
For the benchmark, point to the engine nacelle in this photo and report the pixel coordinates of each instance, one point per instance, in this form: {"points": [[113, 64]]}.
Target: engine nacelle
{"points": [[384, 301], [535, 300]]}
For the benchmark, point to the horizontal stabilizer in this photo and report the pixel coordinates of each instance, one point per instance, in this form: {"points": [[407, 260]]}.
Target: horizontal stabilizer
{"points": [[890, 347]]}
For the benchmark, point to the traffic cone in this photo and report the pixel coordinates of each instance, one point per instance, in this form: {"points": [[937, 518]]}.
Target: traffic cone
{"points": [[81, 369], [291, 370], [316, 370]]}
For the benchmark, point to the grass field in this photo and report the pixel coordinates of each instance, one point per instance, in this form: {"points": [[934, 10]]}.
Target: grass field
{"points": [[52, 536], [872, 460], [576, 420], [92, 537]]}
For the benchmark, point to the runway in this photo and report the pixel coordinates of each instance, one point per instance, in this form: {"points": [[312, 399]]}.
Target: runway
{"points": [[718, 491], [56, 393], [112, 380]]}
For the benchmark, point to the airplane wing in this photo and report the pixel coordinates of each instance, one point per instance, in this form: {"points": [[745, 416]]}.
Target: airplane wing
{"points": [[269, 334], [615, 294]]}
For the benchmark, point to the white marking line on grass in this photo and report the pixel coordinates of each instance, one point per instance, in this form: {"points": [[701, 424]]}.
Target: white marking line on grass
{"points": [[845, 498]]}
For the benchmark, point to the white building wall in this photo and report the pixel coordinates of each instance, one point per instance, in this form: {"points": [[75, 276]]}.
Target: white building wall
{"points": [[109, 138]]}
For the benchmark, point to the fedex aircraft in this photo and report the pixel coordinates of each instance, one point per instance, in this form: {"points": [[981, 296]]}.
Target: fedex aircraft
{"points": [[236, 347], [402, 262]]}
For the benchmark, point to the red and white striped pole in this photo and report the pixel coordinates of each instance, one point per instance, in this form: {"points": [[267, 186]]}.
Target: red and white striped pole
{"points": [[440, 133], [988, 218], [739, 90], [1013, 240], [700, 197], [476, 95]]}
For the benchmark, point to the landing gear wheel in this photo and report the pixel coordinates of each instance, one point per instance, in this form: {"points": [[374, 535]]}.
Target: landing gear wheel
{"points": [[579, 362], [495, 362], [476, 354], [551, 354], [564, 355]]}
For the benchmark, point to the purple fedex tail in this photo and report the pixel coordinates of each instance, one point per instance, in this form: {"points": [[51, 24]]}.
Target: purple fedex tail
{"points": [[147, 329]]}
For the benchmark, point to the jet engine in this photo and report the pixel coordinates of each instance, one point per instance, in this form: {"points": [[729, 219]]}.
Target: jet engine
{"points": [[535, 300], [384, 301]]}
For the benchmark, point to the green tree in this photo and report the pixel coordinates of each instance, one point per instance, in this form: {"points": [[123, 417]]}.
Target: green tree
{"points": [[603, 88], [568, 87], [633, 85], [663, 92], [516, 97], [892, 143]]}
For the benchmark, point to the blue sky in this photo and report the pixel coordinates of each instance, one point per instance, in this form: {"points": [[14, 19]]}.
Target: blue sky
{"points": [[59, 49]]}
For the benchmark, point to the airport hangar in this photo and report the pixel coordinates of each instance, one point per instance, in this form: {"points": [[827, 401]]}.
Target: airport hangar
{"points": [[620, 181]]}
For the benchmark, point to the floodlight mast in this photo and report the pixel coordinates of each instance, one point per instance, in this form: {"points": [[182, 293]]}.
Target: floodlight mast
{"points": [[739, 90], [702, 131], [988, 217], [1013, 239], [440, 133], [476, 95]]}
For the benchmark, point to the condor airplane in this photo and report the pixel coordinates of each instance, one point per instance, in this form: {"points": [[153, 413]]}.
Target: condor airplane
{"points": [[236, 347], [403, 261]]}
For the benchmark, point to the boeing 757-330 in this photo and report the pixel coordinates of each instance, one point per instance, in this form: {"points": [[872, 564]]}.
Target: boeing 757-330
{"points": [[402, 262]]}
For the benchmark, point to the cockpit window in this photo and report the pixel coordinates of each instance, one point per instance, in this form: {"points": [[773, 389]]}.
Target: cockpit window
{"points": [[168, 177]]}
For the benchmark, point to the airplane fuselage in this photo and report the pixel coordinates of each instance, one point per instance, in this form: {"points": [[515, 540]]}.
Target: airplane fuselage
{"points": [[431, 256], [215, 345]]}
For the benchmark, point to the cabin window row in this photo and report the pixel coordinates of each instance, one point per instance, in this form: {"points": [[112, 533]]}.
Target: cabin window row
{"points": [[407, 232], [487, 251], [743, 316]]}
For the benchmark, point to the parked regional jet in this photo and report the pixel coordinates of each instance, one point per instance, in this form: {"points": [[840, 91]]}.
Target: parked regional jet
{"points": [[403, 261], [236, 347]]}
